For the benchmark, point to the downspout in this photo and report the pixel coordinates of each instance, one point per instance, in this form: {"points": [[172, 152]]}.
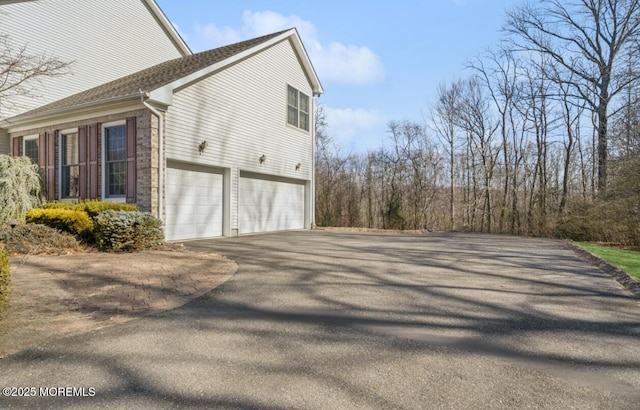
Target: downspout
{"points": [[312, 206], [158, 114]]}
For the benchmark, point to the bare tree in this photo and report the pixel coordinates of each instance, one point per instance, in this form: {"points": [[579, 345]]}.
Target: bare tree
{"points": [[443, 120], [588, 38], [329, 168], [498, 70], [571, 113], [478, 122], [626, 127], [536, 95], [20, 71]]}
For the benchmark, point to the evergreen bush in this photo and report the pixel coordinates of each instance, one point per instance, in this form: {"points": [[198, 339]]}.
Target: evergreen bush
{"points": [[127, 231], [20, 187], [70, 206], [92, 207], [66, 220]]}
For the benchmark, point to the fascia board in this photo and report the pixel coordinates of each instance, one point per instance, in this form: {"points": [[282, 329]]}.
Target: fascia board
{"points": [[163, 93], [306, 63], [76, 113], [168, 27]]}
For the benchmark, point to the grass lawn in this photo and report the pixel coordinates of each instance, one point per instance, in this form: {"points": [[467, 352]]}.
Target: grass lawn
{"points": [[628, 261]]}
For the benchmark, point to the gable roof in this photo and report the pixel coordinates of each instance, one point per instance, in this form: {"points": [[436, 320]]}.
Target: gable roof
{"points": [[159, 81], [168, 27]]}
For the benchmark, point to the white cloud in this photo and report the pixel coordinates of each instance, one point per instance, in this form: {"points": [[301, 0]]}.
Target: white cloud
{"points": [[347, 64], [356, 129], [211, 36], [335, 62], [264, 22]]}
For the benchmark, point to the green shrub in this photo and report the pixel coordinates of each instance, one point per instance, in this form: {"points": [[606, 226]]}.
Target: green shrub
{"points": [[581, 223], [66, 220], [602, 220], [127, 231], [576, 228], [93, 208], [20, 187], [70, 206], [5, 278], [36, 239]]}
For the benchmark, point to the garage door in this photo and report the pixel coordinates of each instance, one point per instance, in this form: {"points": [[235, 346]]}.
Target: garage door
{"points": [[269, 204], [193, 202]]}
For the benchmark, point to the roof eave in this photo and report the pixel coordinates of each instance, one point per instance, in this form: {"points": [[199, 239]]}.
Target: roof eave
{"points": [[165, 93], [168, 27], [163, 96], [306, 63], [86, 109]]}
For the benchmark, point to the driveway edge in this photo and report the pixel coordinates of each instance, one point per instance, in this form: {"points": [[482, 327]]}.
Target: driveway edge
{"points": [[622, 277]]}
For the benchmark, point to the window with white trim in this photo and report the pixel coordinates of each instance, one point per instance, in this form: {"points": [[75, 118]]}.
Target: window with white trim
{"points": [[297, 108], [69, 169], [115, 160], [30, 147]]}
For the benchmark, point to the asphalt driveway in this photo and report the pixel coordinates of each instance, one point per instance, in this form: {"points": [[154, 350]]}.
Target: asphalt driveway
{"points": [[347, 320]]}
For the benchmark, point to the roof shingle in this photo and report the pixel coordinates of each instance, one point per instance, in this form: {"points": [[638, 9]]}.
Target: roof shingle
{"points": [[151, 78]]}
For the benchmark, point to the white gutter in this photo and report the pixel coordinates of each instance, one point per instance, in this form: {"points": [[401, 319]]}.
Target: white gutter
{"points": [[158, 114], [312, 206], [53, 115]]}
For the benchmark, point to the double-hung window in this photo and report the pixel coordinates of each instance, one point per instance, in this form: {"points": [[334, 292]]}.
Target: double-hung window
{"points": [[69, 170], [115, 161], [297, 108], [30, 147]]}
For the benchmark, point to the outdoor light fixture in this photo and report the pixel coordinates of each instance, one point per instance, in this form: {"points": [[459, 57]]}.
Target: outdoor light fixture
{"points": [[202, 146], [13, 225], [262, 159], [298, 166]]}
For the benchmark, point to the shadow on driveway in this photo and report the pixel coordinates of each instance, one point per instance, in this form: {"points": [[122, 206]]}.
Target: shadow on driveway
{"points": [[343, 320]]}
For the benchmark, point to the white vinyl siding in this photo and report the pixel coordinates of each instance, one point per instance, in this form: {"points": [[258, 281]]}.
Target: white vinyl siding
{"points": [[267, 205], [217, 108], [105, 40], [194, 202]]}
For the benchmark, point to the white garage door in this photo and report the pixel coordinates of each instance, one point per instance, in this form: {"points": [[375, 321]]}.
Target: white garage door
{"points": [[267, 205], [193, 202]]}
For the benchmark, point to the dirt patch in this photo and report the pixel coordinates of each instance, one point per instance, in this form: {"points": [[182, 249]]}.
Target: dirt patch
{"points": [[56, 296]]}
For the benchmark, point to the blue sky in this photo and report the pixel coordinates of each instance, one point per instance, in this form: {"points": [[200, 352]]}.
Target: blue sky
{"points": [[377, 61]]}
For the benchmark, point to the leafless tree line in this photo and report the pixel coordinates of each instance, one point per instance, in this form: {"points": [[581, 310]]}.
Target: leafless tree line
{"points": [[542, 138]]}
